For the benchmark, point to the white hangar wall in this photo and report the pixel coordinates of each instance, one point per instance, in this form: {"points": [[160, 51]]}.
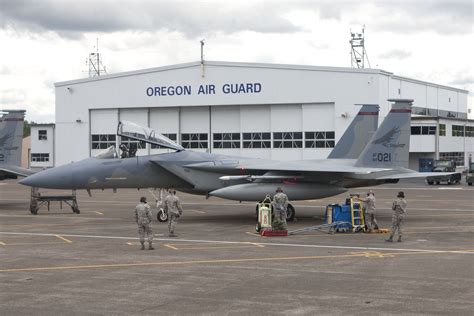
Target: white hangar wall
{"points": [[289, 99]]}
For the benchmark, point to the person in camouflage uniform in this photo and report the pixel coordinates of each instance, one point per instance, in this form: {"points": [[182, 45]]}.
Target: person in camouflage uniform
{"points": [[399, 210], [173, 208], [369, 211], [280, 205], [143, 217]]}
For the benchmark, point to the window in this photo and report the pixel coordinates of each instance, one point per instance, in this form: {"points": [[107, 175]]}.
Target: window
{"points": [[288, 140], [442, 129], [256, 140], [469, 131], [102, 141], [194, 140], [39, 157], [416, 130], [226, 140], [171, 136], [42, 134], [458, 130], [423, 130], [458, 157], [319, 139]]}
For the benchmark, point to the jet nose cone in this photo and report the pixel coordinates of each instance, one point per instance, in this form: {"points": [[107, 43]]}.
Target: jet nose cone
{"points": [[55, 178], [35, 180]]}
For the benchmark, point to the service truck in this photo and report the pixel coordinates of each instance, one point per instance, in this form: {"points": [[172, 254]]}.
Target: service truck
{"points": [[470, 174], [444, 166]]}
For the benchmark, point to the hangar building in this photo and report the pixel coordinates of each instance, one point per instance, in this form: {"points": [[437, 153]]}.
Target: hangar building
{"points": [[284, 112]]}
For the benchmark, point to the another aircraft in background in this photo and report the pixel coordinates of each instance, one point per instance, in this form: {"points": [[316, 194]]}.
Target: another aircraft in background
{"points": [[11, 137]]}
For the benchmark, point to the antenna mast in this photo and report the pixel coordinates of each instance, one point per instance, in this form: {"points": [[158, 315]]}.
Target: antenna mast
{"points": [[358, 52], [94, 61]]}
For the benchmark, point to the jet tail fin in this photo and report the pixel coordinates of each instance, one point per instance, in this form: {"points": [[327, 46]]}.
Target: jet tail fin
{"points": [[358, 134], [389, 146], [11, 137]]}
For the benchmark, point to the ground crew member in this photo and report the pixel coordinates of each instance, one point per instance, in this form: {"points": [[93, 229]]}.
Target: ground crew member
{"points": [[399, 210], [369, 211], [280, 205], [173, 208], [143, 217]]}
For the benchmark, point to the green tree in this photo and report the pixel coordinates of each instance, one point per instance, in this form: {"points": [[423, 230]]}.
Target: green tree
{"points": [[27, 128]]}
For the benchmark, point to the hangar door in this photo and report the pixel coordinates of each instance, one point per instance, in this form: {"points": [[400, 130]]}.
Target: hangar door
{"points": [[318, 129], [103, 130]]}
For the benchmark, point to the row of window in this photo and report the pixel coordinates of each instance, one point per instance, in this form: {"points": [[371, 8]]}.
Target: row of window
{"points": [[461, 131], [318, 139], [456, 131], [457, 156], [423, 130], [39, 157], [437, 113]]}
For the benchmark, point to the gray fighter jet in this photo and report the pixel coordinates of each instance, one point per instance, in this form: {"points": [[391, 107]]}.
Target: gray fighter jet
{"points": [[245, 179], [11, 137]]}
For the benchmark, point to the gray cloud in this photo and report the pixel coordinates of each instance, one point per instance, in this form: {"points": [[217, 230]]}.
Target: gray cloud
{"points": [[193, 19], [395, 53], [443, 17], [463, 81], [4, 70]]}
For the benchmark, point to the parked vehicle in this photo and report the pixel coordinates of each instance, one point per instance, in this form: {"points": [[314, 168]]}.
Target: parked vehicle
{"points": [[470, 174], [444, 166]]}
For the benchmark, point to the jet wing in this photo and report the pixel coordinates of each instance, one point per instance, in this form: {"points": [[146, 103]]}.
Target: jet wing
{"points": [[15, 170], [316, 166], [134, 131], [415, 174]]}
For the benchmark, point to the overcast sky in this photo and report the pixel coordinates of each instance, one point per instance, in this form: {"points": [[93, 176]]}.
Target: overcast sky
{"points": [[46, 41]]}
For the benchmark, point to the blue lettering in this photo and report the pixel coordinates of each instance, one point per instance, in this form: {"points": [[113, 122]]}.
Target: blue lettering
{"points": [[168, 91], [257, 87], [241, 88], [226, 88], [201, 90]]}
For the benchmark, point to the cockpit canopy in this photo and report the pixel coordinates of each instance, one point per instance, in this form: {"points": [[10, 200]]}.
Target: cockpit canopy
{"points": [[135, 131]]}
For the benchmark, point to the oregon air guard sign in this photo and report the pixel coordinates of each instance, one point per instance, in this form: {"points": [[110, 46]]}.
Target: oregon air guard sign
{"points": [[208, 89]]}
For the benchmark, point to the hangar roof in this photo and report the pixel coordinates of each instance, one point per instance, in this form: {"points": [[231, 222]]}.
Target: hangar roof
{"points": [[252, 65]]}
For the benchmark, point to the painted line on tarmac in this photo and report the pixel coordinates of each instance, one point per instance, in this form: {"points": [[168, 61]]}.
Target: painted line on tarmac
{"points": [[295, 205], [170, 246], [35, 243], [196, 211], [97, 212], [215, 261], [68, 216], [64, 239], [243, 242]]}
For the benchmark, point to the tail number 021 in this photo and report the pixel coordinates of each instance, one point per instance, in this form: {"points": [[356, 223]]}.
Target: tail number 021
{"points": [[383, 157]]}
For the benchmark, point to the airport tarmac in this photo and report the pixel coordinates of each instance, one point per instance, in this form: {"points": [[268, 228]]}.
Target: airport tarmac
{"points": [[58, 262]]}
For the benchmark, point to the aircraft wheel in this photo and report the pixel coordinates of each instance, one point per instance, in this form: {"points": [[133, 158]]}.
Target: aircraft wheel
{"points": [[34, 210], [162, 216], [430, 182], [469, 183], [449, 182], [437, 182], [258, 228], [290, 213]]}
